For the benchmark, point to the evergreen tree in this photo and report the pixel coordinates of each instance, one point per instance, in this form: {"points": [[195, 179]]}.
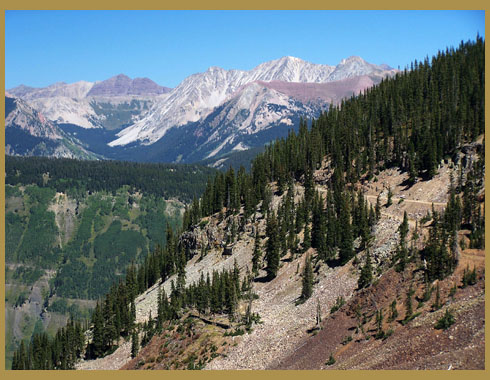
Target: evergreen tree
{"points": [[366, 276], [318, 314], [394, 311], [309, 186], [402, 250], [346, 251], [408, 303], [272, 247], [266, 201], [257, 254], [307, 289], [378, 207], [319, 228], [379, 324], [306, 238], [134, 344], [389, 201], [98, 341], [437, 303]]}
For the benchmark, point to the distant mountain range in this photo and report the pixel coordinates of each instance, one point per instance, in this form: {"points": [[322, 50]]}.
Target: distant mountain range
{"points": [[119, 85], [207, 115]]}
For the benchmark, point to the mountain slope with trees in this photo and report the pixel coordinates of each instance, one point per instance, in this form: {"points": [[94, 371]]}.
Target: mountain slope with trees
{"points": [[299, 227], [65, 219]]}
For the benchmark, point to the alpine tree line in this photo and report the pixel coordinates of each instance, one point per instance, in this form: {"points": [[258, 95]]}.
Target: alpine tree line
{"points": [[411, 121]]}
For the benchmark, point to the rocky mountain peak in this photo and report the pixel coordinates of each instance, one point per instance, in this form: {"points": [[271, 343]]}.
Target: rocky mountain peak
{"points": [[290, 59], [352, 59], [121, 77], [121, 84], [21, 90]]}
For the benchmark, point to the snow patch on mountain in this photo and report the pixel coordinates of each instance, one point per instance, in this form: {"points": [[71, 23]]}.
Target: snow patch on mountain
{"points": [[292, 69], [355, 66]]}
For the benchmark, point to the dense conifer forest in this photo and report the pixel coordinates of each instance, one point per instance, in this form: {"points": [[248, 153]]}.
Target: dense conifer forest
{"points": [[412, 121], [77, 177]]}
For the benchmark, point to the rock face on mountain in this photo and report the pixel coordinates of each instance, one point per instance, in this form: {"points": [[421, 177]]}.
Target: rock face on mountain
{"points": [[64, 109], [260, 106], [355, 66], [254, 116], [28, 132], [123, 85], [19, 114], [118, 85]]}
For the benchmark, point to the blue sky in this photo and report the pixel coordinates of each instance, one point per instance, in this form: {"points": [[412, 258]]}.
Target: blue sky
{"points": [[44, 47]]}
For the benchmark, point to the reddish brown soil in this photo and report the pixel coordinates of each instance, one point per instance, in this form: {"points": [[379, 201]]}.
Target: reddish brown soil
{"points": [[416, 345], [182, 348]]}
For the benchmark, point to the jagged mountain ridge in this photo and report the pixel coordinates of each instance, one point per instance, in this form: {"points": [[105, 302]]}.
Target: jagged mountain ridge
{"points": [[77, 90], [209, 114], [200, 93], [257, 113]]}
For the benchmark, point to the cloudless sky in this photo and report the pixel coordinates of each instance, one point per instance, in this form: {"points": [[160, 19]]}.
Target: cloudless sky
{"points": [[44, 47]]}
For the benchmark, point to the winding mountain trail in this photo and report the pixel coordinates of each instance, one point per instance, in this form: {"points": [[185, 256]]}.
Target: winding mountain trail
{"points": [[396, 200]]}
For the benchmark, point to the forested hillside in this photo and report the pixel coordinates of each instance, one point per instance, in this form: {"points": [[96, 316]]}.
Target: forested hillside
{"points": [[183, 182], [303, 203], [73, 227]]}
